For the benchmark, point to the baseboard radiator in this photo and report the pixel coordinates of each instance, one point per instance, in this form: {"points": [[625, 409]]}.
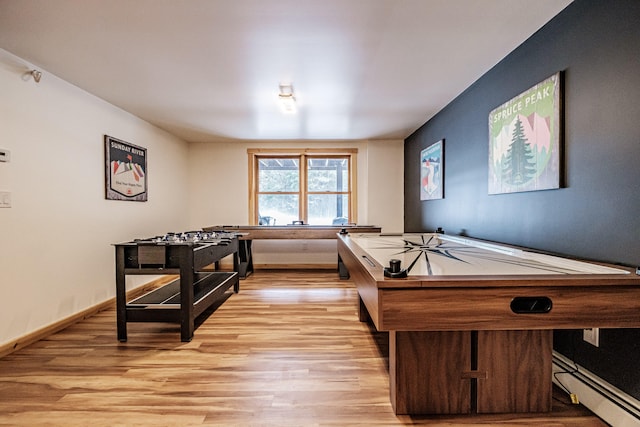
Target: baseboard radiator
{"points": [[612, 405]]}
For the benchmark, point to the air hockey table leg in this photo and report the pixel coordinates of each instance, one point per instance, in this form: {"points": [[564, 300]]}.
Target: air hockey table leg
{"points": [[245, 258], [342, 269]]}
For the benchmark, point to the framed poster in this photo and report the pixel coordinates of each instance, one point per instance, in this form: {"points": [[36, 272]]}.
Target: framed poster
{"points": [[524, 140], [125, 170], [432, 172]]}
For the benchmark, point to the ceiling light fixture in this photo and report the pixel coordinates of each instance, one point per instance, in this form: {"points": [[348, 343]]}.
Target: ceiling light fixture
{"points": [[286, 99]]}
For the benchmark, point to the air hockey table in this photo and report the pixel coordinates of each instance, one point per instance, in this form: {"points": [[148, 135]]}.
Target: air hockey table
{"points": [[247, 233], [470, 322]]}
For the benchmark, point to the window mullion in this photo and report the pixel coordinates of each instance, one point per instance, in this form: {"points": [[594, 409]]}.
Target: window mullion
{"points": [[303, 189]]}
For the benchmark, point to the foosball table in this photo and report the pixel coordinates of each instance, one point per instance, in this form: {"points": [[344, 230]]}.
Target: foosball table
{"points": [[182, 300]]}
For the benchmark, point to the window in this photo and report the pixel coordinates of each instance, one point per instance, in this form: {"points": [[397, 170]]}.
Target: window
{"points": [[313, 186]]}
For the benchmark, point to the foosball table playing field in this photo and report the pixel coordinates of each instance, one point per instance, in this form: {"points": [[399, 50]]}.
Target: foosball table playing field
{"points": [[188, 255]]}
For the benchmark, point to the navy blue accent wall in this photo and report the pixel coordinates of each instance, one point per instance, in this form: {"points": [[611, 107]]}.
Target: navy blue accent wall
{"points": [[596, 215]]}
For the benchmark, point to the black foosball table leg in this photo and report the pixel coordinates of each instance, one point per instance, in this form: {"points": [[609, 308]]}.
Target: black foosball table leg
{"points": [[121, 295]]}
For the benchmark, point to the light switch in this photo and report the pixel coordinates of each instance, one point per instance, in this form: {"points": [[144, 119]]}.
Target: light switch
{"points": [[5, 155], [5, 199]]}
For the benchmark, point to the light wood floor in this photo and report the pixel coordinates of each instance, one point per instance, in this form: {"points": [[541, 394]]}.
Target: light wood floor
{"points": [[288, 350]]}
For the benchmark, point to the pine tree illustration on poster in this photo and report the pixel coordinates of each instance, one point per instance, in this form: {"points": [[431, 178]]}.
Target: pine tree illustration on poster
{"points": [[519, 165], [524, 140]]}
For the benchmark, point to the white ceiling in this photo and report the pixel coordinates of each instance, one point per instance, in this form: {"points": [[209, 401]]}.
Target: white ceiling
{"points": [[209, 69]]}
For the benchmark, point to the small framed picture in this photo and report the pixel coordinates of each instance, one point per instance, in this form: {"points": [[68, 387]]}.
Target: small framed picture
{"points": [[432, 172], [125, 170]]}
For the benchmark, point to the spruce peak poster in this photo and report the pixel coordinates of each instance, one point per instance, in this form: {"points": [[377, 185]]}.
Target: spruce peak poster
{"points": [[524, 140]]}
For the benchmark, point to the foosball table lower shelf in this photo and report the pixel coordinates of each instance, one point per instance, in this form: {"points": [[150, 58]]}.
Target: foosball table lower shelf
{"points": [[164, 304]]}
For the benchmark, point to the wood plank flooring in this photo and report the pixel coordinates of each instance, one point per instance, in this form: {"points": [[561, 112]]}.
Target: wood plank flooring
{"points": [[288, 350]]}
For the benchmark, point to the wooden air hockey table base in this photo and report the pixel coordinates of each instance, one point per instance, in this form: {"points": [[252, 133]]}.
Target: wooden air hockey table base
{"points": [[471, 324]]}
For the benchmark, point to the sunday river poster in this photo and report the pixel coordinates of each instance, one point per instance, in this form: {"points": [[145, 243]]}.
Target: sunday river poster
{"points": [[126, 170]]}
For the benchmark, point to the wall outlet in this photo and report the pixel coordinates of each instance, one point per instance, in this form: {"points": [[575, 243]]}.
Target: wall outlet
{"points": [[592, 336]]}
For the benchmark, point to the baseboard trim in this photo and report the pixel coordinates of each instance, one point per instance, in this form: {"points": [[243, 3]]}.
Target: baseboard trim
{"points": [[296, 267], [611, 404], [44, 332]]}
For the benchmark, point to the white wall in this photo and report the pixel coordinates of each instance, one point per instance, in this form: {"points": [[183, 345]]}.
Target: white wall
{"points": [[56, 257], [219, 192], [56, 253], [385, 185]]}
